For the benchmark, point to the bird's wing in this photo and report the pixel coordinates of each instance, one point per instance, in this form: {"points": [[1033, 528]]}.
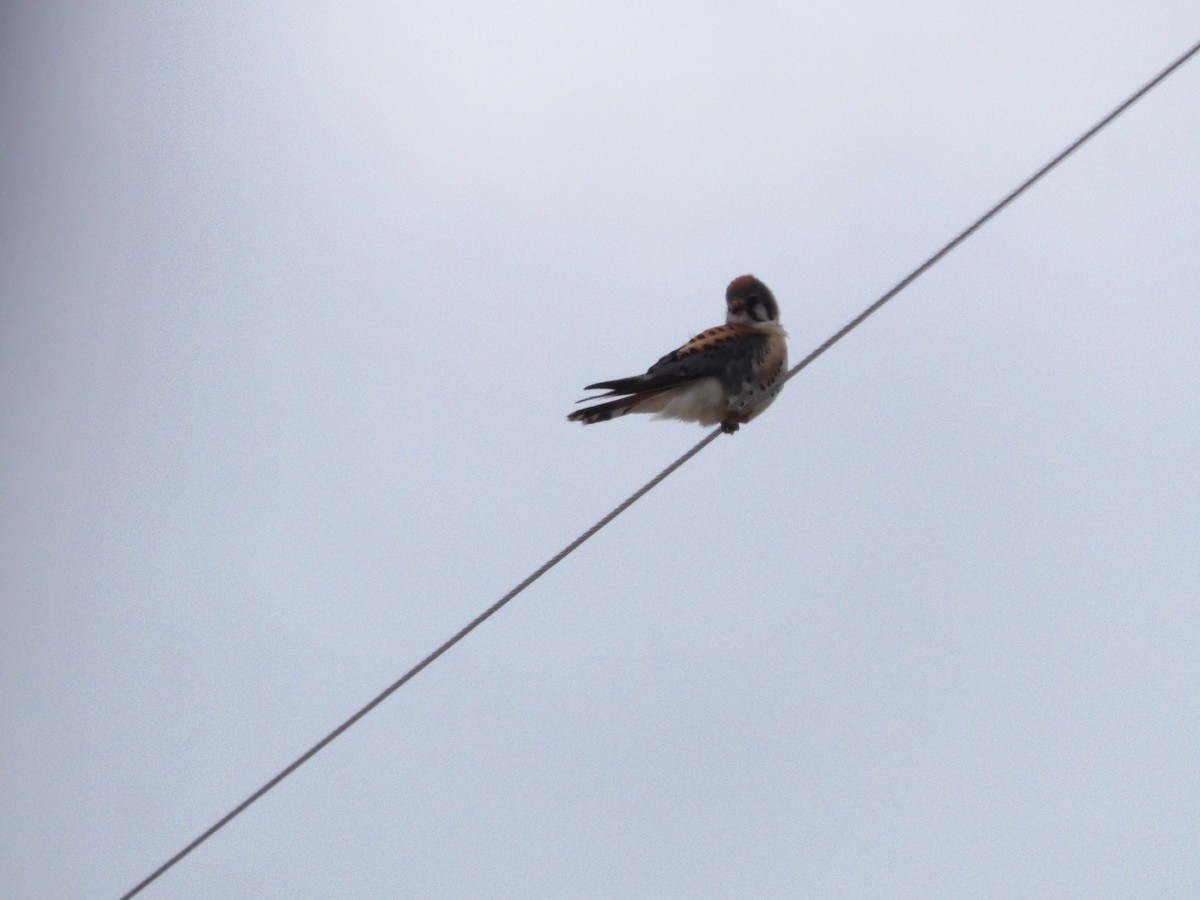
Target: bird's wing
{"points": [[727, 352]]}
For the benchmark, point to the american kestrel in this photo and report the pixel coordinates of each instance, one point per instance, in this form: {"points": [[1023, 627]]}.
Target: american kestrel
{"points": [[726, 375]]}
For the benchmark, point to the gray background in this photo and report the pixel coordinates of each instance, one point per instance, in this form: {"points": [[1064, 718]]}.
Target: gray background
{"points": [[295, 300]]}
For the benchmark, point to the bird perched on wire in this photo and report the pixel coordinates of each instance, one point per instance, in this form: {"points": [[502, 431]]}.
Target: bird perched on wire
{"points": [[726, 375]]}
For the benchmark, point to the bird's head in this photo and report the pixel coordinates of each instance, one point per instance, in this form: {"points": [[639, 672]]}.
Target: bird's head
{"points": [[750, 302]]}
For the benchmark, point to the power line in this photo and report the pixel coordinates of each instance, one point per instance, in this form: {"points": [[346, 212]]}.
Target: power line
{"points": [[661, 476], [1009, 198]]}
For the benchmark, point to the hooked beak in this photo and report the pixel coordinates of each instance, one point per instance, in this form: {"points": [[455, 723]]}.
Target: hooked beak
{"points": [[737, 306]]}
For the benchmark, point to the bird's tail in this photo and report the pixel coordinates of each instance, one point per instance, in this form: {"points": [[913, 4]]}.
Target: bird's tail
{"points": [[611, 409]]}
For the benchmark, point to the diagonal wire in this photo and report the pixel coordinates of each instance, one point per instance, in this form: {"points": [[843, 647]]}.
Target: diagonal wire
{"points": [[411, 673], [661, 476], [979, 223]]}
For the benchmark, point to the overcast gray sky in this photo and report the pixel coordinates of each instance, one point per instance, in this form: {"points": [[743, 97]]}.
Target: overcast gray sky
{"points": [[295, 300]]}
